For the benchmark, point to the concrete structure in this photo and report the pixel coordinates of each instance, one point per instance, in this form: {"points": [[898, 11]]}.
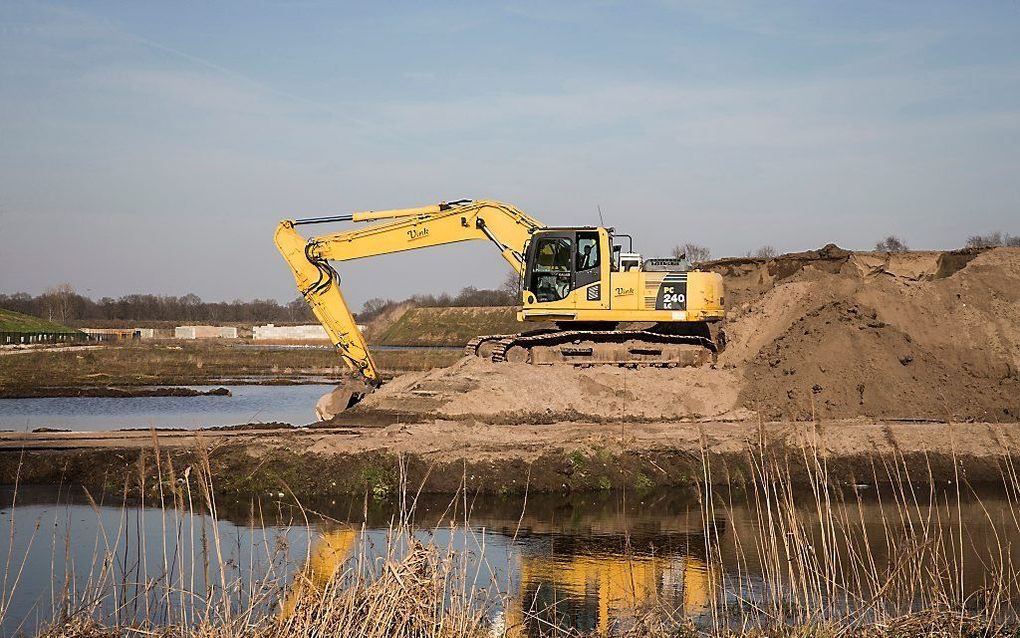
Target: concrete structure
{"points": [[205, 332], [112, 334], [271, 332], [155, 333]]}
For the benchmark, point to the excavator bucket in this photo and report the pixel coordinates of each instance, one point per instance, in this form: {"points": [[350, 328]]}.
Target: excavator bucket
{"points": [[350, 390]]}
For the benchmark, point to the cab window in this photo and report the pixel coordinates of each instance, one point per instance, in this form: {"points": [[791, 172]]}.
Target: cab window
{"points": [[587, 251], [553, 255], [551, 272]]}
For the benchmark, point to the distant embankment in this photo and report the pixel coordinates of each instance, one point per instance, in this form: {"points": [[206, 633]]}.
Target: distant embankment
{"points": [[18, 328], [11, 321], [450, 326]]}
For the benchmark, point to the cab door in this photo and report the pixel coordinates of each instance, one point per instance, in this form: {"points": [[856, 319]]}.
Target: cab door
{"points": [[591, 269], [569, 268], [550, 273]]}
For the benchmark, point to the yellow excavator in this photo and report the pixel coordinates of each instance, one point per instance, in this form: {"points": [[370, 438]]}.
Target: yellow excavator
{"points": [[577, 278]]}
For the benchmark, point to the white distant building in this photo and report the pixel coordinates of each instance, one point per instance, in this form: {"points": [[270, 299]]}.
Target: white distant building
{"points": [[205, 332], [154, 333], [271, 332]]}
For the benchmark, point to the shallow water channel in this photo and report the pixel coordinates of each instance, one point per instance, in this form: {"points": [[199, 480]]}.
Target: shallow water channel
{"points": [[292, 404], [591, 562]]}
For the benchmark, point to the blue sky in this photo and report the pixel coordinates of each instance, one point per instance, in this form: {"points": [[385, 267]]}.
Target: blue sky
{"points": [[153, 146]]}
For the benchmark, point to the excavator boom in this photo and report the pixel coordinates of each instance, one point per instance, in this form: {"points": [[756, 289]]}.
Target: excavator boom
{"points": [[402, 229]]}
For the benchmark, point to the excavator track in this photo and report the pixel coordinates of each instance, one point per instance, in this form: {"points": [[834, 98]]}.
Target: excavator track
{"points": [[472, 348], [484, 346], [629, 348]]}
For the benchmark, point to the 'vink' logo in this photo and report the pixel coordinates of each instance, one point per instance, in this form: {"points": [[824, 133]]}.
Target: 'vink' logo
{"points": [[624, 291], [417, 233]]}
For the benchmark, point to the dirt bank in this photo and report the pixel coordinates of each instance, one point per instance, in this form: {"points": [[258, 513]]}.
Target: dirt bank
{"points": [[110, 392], [522, 393], [441, 456], [825, 333]]}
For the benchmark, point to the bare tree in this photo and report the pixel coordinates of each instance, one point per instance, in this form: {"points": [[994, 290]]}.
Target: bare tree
{"points": [[512, 286], [692, 252], [985, 241], [992, 240], [763, 252], [59, 301], [892, 244], [298, 310]]}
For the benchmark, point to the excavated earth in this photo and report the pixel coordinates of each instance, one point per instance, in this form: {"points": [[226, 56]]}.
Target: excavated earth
{"points": [[819, 334]]}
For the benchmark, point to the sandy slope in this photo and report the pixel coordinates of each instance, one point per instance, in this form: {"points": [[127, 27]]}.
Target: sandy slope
{"points": [[825, 333]]}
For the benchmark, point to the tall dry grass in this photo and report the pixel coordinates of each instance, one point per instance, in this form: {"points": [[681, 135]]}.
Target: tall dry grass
{"points": [[832, 560], [194, 588]]}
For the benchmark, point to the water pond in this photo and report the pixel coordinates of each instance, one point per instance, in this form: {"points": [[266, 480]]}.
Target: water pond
{"points": [[292, 404], [588, 562]]}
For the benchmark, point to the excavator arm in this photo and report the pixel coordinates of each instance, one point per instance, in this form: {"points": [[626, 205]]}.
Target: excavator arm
{"points": [[396, 231]]}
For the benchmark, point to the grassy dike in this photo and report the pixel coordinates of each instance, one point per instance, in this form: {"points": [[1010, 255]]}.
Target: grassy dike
{"points": [[327, 462], [11, 321], [452, 326]]}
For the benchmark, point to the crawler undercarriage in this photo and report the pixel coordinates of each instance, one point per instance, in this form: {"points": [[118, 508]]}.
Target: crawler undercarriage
{"points": [[656, 347]]}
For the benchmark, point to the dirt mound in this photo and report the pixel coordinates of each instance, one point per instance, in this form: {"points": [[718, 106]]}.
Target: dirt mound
{"points": [[928, 335], [521, 393], [820, 334], [748, 278]]}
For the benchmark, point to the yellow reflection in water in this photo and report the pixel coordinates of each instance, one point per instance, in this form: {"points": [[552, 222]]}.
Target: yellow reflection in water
{"points": [[585, 591], [589, 592], [327, 554]]}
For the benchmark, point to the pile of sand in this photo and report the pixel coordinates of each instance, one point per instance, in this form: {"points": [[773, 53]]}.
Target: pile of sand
{"points": [[522, 393], [922, 335], [826, 333]]}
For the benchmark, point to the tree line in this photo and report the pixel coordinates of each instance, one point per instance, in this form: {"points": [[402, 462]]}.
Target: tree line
{"points": [[895, 244], [697, 253], [62, 304]]}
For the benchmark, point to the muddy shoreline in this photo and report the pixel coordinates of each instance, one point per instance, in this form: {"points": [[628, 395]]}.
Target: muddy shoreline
{"points": [[109, 392], [443, 457], [50, 373]]}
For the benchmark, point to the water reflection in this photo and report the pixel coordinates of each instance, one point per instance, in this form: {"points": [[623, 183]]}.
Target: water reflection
{"points": [[594, 584], [326, 557], [563, 562], [555, 580]]}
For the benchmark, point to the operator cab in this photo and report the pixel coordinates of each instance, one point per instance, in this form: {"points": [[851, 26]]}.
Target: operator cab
{"points": [[560, 260], [563, 259]]}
